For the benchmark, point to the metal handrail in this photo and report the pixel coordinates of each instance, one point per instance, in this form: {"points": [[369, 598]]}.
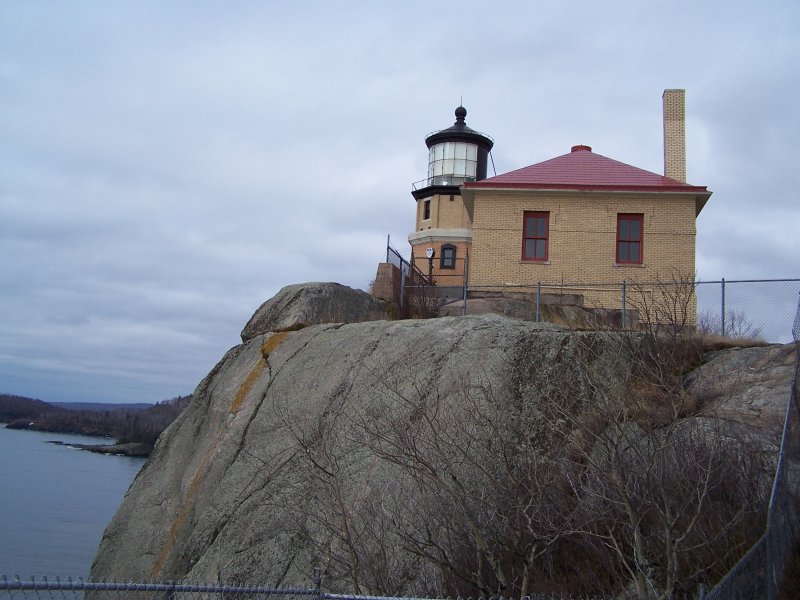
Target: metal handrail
{"points": [[429, 181]]}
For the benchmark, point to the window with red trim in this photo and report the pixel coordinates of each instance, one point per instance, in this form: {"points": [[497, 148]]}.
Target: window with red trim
{"points": [[630, 232], [535, 234]]}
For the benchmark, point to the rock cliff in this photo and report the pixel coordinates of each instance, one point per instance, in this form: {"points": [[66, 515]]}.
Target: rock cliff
{"points": [[298, 442], [299, 305]]}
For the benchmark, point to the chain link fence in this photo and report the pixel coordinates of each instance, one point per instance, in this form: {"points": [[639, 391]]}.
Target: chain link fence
{"points": [[762, 571], [79, 589], [758, 309], [88, 590], [743, 308]]}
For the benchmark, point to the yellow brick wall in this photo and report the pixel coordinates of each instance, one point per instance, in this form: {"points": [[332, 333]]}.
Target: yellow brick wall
{"points": [[442, 277], [582, 240], [445, 213], [675, 134]]}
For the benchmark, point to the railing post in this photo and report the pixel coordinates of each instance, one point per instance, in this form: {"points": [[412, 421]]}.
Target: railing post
{"points": [[388, 245], [624, 304], [538, 301], [723, 306]]}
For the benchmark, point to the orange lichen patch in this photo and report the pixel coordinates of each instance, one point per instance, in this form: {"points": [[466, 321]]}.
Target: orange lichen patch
{"points": [[202, 470], [155, 571], [267, 347], [188, 501], [247, 385], [273, 342]]}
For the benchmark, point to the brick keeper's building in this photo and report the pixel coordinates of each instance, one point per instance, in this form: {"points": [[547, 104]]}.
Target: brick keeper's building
{"points": [[578, 217]]}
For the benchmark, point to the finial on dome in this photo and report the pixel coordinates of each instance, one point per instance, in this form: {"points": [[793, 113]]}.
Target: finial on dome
{"points": [[461, 113]]}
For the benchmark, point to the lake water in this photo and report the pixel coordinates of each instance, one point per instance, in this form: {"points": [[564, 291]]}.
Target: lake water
{"points": [[55, 502]]}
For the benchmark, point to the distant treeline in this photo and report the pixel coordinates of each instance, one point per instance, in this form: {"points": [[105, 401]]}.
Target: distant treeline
{"points": [[126, 425]]}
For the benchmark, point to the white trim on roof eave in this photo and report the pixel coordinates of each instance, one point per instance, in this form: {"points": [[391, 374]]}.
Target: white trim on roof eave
{"points": [[470, 192], [519, 190]]}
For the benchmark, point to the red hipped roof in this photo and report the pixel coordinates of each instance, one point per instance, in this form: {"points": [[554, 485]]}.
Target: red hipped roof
{"points": [[584, 170]]}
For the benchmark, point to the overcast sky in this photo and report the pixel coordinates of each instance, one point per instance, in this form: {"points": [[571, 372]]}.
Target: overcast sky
{"points": [[165, 167]]}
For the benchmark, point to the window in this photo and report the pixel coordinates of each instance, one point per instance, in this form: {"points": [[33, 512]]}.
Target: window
{"points": [[629, 238], [448, 257], [535, 233], [426, 209]]}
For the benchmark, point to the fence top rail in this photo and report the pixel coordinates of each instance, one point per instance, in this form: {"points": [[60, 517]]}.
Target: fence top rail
{"points": [[490, 597], [79, 584], [700, 281], [56, 584], [629, 282], [360, 597]]}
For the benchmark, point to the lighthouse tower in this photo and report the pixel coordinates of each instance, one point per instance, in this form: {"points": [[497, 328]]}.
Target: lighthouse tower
{"points": [[456, 155]]}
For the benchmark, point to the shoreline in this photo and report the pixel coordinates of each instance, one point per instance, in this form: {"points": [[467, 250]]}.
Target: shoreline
{"points": [[131, 450]]}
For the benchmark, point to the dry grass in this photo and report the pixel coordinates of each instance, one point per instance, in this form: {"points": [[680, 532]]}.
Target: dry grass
{"points": [[710, 342]]}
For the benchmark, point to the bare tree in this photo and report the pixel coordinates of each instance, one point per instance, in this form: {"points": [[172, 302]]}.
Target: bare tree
{"points": [[737, 325], [670, 502], [472, 482], [490, 499], [666, 306], [676, 496], [345, 511]]}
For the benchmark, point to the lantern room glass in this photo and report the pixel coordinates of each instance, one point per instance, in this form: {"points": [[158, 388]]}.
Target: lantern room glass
{"points": [[452, 163]]}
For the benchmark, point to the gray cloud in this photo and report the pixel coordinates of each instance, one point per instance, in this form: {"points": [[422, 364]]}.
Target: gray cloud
{"points": [[166, 168]]}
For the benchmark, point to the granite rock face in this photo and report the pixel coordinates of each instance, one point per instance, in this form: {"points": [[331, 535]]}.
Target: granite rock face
{"points": [[217, 498], [572, 315], [748, 386], [251, 460], [300, 305]]}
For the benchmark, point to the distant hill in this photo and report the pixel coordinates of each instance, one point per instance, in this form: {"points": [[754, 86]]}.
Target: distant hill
{"points": [[127, 423], [19, 407], [102, 406]]}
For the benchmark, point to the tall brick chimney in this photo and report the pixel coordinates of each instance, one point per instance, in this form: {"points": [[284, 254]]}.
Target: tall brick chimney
{"points": [[675, 134]]}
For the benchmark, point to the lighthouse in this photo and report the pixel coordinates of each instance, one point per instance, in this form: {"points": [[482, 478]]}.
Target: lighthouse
{"points": [[443, 232]]}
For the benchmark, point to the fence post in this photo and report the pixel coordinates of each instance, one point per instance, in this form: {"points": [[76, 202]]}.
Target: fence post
{"points": [[701, 591], [403, 278], [317, 582], [388, 244], [169, 593], [723, 306], [796, 325], [466, 274], [769, 536], [538, 301], [624, 304]]}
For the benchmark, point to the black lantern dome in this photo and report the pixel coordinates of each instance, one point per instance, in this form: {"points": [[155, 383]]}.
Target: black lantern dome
{"points": [[456, 155]]}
